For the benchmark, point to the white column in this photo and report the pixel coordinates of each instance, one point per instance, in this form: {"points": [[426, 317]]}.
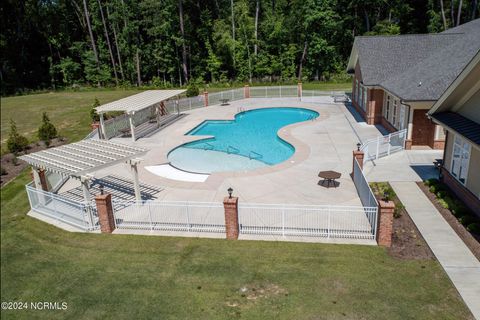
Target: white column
{"points": [[102, 134], [85, 181], [36, 178], [437, 132], [136, 182], [178, 108], [132, 126], [410, 124]]}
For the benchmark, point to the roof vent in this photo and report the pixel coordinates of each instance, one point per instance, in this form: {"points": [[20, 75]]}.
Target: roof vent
{"points": [[420, 84]]}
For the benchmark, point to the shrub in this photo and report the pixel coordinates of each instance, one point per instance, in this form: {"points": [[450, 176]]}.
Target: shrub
{"points": [[192, 89], [441, 194], [16, 142], [93, 113], [47, 130], [3, 171], [443, 203], [466, 220], [431, 181], [459, 211], [397, 213], [474, 227], [15, 160]]}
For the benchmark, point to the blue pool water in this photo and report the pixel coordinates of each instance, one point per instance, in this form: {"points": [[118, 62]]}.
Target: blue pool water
{"points": [[252, 135]]}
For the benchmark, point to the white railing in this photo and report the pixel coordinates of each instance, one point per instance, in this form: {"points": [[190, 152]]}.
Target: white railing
{"points": [[170, 216], [307, 220], [365, 193], [274, 92], [80, 215], [384, 145]]}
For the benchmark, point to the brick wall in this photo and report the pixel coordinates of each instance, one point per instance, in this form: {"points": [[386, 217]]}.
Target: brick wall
{"points": [[468, 198], [385, 223]]}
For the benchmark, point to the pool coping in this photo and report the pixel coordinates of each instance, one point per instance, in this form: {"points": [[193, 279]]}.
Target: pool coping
{"points": [[215, 179]]}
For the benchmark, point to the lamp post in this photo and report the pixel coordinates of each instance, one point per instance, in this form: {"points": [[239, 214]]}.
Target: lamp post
{"points": [[358, 146], [230, 191]]}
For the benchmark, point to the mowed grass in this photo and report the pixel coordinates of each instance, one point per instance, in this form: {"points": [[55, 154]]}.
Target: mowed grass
{"points": [[149, 277], [69, 111]]}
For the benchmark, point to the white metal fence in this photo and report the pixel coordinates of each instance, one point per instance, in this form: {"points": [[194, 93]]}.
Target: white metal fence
{"points": [[77, 214], [384, 145], [307, 220], [113, 127], [365, 193], [170, 216]]}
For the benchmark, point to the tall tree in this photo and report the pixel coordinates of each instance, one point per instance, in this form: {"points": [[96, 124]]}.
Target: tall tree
{"points": [[184, 49], [107, 38], [92, 39]]}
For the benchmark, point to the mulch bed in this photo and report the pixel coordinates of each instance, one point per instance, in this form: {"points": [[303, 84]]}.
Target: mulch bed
{"points": [[407, 241], [14, 170], [472, 241]]}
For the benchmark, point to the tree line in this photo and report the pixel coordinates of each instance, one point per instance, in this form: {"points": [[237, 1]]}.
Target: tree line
{"points": [[65, 43]]}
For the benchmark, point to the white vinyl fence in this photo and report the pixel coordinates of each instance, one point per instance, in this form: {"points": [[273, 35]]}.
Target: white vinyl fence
{"points": [[77, 214], [384, 145], [365, 193], [170, 216], [307, 220]]}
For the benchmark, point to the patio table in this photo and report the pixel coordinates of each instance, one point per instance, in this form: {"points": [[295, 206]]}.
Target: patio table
{"points": [[329, 176], [224, 102]]}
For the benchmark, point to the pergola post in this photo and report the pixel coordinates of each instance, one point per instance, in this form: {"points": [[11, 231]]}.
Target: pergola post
{"points": [[39, 179], [85, 180], [102, 134], [132, 126], [136, 181], [178, 108]]}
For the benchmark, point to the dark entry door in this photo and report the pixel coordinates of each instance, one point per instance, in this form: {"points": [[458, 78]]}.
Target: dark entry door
{"points": [[423, 129]]}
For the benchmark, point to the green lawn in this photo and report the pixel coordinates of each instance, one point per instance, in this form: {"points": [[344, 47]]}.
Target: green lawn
{"points": [[69, 110], [137, 277]]}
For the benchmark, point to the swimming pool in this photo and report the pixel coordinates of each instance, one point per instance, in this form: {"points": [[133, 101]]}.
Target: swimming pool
{"points": [[248, 142]]}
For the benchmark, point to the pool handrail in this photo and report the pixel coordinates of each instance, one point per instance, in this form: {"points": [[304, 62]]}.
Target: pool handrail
{"points": [[234, 149], [258, 155]]}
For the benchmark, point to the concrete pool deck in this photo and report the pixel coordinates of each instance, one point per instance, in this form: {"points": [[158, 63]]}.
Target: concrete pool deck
{"points": [[323, 144]]}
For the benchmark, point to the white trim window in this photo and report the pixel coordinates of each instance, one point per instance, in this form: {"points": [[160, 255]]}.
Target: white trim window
{"points": [[394, 114], [387, 107], [460, 159], [364, 104], [402, 117]]}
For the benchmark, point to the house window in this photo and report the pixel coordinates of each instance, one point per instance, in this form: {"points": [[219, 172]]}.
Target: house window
{"points": [[394, 114], [402, 117], [460, 159], [364, 98], [387, 108]]}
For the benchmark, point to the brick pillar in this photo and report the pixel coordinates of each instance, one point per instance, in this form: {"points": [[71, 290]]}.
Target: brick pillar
{"points": [[105, 212], [246, 91], [43, 179], [385, 222], [299, 89], [357, 154], [206, 98], [231, 217], [408, 144]]}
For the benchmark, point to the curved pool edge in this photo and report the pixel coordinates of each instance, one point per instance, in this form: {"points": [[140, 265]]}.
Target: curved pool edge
{"points": [[281, 135]]}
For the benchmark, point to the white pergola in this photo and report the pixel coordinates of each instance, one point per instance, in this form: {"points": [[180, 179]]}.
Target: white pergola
{"points": [[79, 160], [134, 103]]}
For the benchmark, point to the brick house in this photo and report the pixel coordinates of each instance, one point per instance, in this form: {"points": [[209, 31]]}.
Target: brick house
{"points": [[458, 112], [397, 79]]}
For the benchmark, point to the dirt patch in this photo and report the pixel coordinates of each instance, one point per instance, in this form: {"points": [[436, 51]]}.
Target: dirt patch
{"points": [[471, 241], [407, 241], [14, 167], [254, 292]]}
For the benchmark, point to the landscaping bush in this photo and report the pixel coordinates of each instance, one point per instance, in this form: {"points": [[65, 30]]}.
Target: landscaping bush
{"points": [[474, 227], [459, 211], [397, 213], [93, 113], [430, 182], [436, 187], [441, 194], [466, 220], [443, 203], [16, 142], [192, 89], [47, 130]]}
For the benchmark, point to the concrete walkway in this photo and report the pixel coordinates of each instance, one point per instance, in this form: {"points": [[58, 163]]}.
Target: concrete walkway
{"points": [[459, 263]]}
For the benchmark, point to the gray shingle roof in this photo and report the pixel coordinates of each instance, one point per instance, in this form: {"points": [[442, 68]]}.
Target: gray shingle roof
{"points": [[400, 63], [466, 127]]}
